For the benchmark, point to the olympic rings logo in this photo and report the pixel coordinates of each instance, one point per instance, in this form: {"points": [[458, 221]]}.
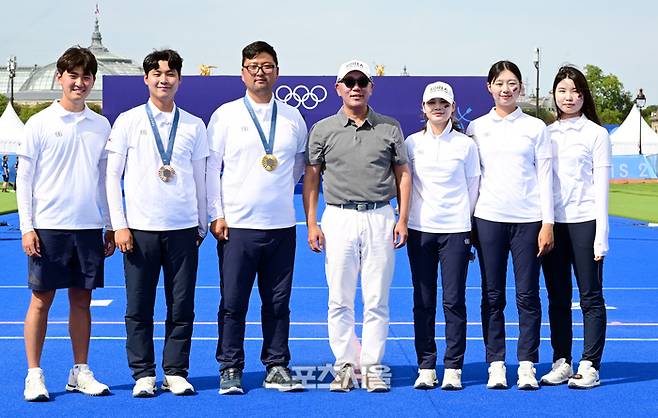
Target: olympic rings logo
{"points": [[309, 99]]}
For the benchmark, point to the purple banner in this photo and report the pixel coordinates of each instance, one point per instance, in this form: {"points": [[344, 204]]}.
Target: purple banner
{"points": [[315, 96]]}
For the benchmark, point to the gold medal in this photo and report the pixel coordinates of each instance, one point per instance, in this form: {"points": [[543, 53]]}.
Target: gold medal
{"points": [[269, 162], [166, 173]]}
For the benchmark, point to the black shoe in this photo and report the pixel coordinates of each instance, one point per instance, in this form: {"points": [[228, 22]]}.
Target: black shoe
{"points": [[230, 382], [279, 378]]}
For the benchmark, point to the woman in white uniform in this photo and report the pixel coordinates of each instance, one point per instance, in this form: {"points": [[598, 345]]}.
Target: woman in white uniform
{"points": [[514, 213], [446, 174], [581, 172]]}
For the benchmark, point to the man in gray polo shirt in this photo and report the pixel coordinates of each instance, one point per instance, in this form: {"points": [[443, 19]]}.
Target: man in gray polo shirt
{"points": [[363, 161]]}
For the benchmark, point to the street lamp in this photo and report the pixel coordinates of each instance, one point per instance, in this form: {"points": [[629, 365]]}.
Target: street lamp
{"points": [[11, 69], [535, 61], [640, 101]]}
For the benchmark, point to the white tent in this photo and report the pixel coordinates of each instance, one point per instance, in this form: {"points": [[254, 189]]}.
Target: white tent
{"points": [[11, 130], [626, 139]]}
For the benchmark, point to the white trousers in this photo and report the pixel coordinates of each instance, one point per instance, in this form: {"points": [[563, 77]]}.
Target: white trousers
{"points": [[358, 242]]}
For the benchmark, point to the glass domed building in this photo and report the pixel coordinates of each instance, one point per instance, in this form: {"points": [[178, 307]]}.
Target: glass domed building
{"points": [[42, 86]]}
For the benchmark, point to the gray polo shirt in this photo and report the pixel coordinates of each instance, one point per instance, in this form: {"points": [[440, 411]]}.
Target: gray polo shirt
{"points": [[357, 162]]}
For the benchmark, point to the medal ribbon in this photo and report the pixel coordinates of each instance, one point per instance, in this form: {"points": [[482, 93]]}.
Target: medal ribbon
{"points": [[269, 146], [165, 156]]}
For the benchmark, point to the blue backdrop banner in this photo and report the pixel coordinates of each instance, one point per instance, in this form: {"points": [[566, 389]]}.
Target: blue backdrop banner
{"points": [[314, 96]]}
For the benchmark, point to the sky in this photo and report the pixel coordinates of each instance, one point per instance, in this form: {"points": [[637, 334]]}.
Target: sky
{"points": [[436, 37]]}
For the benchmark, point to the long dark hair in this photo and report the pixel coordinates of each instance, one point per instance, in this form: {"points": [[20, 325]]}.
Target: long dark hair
{"points": [[579, 80]]}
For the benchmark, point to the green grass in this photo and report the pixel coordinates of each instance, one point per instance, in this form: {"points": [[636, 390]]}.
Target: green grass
{"points": [[636, 201], [8, 203]]}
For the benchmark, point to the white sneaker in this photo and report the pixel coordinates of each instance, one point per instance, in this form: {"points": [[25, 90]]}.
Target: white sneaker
{"points": [[144, 387], [497, 375], [426, 379], [452, 379], [559, 374], [178, 385], [527, 379], [35, 387], [84, 382], [586, 378]]}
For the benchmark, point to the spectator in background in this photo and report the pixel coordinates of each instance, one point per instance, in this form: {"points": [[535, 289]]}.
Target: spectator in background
{"points": [[5, 173], [16, 174]]}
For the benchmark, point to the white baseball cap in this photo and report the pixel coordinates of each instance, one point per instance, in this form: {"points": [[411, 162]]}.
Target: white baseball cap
{"points": [[439, 90], [353, 65]]}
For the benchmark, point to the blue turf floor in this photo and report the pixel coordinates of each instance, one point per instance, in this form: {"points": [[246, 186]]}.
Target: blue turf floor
{"points": [[629, 371]]}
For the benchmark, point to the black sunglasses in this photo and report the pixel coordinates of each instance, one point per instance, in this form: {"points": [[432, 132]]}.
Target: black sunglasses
{"points": [[351, 82]]}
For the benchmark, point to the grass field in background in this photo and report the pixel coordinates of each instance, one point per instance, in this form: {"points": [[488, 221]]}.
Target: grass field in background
{"points": [[7, 203], [633, 200]]}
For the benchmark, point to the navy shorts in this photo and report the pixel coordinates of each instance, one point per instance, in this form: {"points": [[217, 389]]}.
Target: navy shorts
{"points": [[69, 258]]}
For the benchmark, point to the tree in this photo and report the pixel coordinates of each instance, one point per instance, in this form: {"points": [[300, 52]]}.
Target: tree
{"points": [[96, 108], [612, 102], [3, 105], [647, 111], [26, 112], [544, 114]]}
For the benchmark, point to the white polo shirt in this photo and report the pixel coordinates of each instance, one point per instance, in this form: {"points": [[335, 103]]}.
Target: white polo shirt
{"points": [[579, 147], [66, 149], [440, 167], [152, 204], [248, 196], [510, 151]]}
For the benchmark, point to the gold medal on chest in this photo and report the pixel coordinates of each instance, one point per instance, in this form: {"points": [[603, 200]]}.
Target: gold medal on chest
{"points": [[269, 162]]}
